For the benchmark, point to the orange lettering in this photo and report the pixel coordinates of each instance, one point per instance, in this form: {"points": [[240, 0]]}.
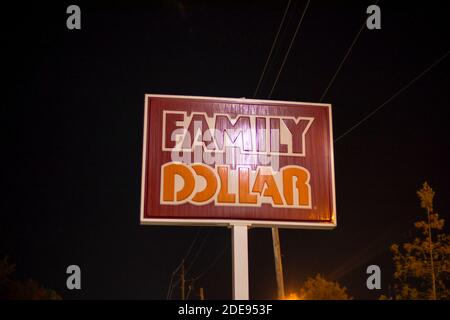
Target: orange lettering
{"points": [[211, 183], [271, 190], [302, 186], [170, 171], [244, 185], [224, 196]]}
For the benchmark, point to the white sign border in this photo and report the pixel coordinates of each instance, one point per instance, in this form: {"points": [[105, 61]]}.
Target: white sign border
{"points": [[229, 222]]}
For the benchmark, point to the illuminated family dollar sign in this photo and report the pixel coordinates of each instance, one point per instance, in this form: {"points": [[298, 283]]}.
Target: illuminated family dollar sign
{"points": [[209, 161]]}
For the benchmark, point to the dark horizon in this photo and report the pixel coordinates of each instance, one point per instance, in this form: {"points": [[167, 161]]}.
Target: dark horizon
{"points": [[74, 125]]}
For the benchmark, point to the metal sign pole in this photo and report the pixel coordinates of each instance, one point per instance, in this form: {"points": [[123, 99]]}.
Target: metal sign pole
{"points": [[240, 261]]}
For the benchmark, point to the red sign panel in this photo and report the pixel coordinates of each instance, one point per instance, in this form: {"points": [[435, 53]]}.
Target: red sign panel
{"points": [[218, 161]]}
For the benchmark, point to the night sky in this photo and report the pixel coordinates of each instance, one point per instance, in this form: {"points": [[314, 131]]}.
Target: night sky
{"points": [[72, 125]]}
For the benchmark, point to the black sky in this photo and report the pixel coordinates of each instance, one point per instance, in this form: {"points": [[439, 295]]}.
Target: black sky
{"points": [[72, 134]]}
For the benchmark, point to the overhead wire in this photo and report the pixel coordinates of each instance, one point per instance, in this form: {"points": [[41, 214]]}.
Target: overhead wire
{"points": [[271, 50], [330, 83], [406, 86], [289, 49], [169, 290]]}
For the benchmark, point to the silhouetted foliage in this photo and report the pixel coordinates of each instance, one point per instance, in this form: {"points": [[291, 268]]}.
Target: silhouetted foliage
{"points": [[11, 289], [319, 288], [422, 267]]}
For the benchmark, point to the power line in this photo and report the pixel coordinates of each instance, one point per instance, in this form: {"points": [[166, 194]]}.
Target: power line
{"points": [[289, 49], [360, 258], [198, 251], [271, 50], [195, 256], [213, 263], [170, 288], [344, 59], [393, 96], [173, 286]]}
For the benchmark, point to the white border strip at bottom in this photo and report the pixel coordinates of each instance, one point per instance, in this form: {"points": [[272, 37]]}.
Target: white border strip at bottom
{"points": [[251, 223]]}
